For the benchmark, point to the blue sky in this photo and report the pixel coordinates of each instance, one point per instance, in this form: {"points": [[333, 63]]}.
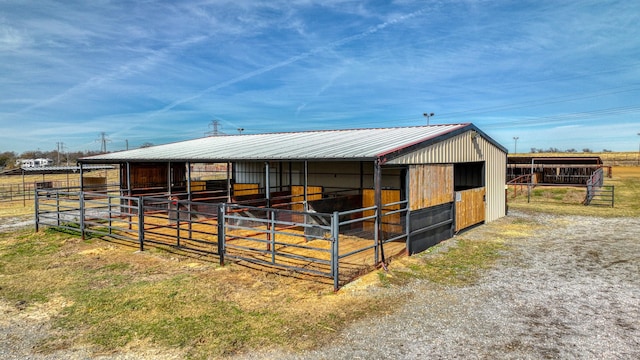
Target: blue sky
{"points": [[563, 74]]}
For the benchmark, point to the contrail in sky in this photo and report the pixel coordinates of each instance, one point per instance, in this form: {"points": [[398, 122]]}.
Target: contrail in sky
{"points": [[372, 30]]}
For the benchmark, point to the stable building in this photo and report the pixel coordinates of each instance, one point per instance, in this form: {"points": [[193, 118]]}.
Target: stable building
{"points": [[326, 204], [446, 177]]}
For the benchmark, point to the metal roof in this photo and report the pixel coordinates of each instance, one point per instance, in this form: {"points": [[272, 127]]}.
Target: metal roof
{"points": [[54, 169], [352, 144]]}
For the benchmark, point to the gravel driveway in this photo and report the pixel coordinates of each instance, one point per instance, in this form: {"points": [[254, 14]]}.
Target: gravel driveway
{"points": [[570, 291]]}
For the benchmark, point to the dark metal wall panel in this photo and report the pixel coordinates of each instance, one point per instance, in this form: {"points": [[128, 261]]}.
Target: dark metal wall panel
{"points": [[429, 226]]}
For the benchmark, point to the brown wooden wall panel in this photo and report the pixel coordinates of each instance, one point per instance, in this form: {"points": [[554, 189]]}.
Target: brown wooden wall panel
{"points": [[94, 181], [198, 185], [245, 189], [470, 209], [430, 185], [297, 195], [153, 175], [390, 223]]}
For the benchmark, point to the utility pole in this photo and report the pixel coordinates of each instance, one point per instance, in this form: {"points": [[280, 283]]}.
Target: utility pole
{"points": [[428, 115], [60, 146], [126, 144], [103, 142], [515, 145]]}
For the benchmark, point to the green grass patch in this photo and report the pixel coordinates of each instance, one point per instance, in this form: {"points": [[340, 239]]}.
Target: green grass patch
{"points": [[460, 265]]}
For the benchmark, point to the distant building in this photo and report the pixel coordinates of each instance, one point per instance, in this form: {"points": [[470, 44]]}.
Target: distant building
{"points": [[34, 163]]}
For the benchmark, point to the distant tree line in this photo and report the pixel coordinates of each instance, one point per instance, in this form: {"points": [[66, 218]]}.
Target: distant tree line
{"points": [[556, 150], [8, 158]]}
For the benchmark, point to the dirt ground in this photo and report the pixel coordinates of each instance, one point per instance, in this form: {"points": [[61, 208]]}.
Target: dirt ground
{"points": [[571, 289]]}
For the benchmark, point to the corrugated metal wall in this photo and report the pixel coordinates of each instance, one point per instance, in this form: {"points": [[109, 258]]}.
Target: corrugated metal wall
{"points": [[468, 147]]}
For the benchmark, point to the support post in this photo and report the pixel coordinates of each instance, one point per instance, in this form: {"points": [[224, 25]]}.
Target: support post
{"points": [[169, 178], [377, 184], [36, 209], [305, 203], [335, 250], [24, 191], [189, 180], [129, 208], [306, 183], [221, 235], [81, 178], [272, 235], [110, 211], [81, 201], [189, 206], [141, 222], [267, 184], [407, 221], [57, 208], [177, 203], [228, 181]]}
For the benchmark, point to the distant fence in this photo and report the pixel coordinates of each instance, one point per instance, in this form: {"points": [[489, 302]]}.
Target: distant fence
{"points": [[338, 245], [25, 192]]}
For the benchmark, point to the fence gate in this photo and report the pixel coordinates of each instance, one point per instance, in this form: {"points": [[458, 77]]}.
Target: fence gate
{"points": [[470, 207]]}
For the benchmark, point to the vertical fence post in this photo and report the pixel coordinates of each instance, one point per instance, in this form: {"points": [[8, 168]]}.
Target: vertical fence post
{"points": [[613, 195], [57, 208], [221, 235], [177, 222], [36, 210], [141, 222], [335, 251], [273, 235], [376, 240], [81, 201], [109, 213], [190, 217]]}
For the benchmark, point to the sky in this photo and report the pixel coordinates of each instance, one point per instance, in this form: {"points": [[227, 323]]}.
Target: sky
{"points": [[554, 74]]}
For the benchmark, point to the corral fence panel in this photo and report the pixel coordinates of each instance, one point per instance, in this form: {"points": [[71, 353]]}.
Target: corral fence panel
{"points": [[338, 245]]}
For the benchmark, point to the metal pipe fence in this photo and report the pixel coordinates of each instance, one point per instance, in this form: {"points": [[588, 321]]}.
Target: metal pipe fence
{"points": [[332, 245]]}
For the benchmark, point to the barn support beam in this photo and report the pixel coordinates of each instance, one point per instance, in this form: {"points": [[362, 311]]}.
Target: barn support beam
{"points": [[228, 181], [280, 167], [128, 168], [306, 183], [81, 177], [189, 181], [361, 176], [377, 185], [267, 184], [169, 178]]}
